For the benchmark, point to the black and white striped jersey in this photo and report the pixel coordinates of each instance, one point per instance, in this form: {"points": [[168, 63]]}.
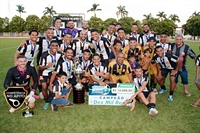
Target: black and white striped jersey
{"points": [[102, 69], [110, 38], [198, 61], [30, 51], [47, 58], [167, 61], [102, 47], [182, 53], [138, 82], [137, 37], [65, 66]]}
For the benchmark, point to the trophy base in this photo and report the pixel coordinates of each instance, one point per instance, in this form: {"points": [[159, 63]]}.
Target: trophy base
{"points": [[28, 114]]}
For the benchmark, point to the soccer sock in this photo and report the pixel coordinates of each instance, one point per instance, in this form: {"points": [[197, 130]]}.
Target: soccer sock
{"points": [[171, 92], [163, 87], [151, 83], [155, 85], [40, 88], [151, 105]]}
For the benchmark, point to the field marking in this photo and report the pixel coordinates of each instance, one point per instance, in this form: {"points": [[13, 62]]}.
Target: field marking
{"points": [[7, 48]]}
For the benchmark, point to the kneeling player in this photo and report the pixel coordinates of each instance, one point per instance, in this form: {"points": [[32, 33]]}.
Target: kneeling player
{"points": [[20, 75], [143, 94]]}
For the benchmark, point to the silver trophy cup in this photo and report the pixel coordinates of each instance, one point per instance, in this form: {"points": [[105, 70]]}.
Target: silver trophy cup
{"points": [[78, 71]]}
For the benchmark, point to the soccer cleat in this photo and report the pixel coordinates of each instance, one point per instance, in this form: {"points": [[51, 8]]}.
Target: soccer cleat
{"points": [[126, 102], [153, 112], [54, 108], [11, 110], [170, 98], [162, 91], [46, 106], [41, 95], [155, 90], [132, 106]]}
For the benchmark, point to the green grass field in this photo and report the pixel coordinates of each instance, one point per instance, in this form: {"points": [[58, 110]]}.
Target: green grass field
{"points": [[175, 117]]}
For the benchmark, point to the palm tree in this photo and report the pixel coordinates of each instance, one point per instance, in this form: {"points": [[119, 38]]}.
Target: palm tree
{"points": [[20, 9], [49, 11], [161, 15], [195, 14], [174, 18], [94, 9], [121, 11], [148, 17]]}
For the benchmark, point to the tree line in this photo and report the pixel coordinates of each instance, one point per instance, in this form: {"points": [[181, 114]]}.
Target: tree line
{"points": [[159, 24]]}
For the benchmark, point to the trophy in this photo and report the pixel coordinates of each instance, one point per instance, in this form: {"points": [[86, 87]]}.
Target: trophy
{"points": [[26, 112], [78, 71]]}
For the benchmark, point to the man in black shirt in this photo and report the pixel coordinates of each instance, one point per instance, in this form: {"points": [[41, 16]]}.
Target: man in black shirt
{"points": [[20, 75], [182, 50], [166, 63]]}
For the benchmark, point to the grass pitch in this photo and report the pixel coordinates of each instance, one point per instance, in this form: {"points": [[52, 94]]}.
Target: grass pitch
{"points": [[175, 117]]}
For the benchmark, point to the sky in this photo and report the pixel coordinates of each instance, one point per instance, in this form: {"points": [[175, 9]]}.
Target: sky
{"points": [[183, 8]]}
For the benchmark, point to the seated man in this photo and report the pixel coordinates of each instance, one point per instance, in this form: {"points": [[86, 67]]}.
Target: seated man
{"points": [[120, 70], [143, 94], [98, 72], [20, 75]]}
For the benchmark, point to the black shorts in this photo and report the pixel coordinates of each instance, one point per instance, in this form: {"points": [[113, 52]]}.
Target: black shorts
{"points": [[146, 93], [164, 72], [72, 81], [44, 79]]}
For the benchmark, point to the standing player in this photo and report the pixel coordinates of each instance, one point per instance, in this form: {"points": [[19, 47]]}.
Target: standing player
{"points": [[117, 26], [66, 43], [80, 44], [101, 46], [44, 45], [28, 48], [181, 50], [110, 34], [70, 29], [163, 42], [146, 34], [121, 37], [57, 29], [85, 28], [134, 33], [153, 70], [166, 63]]}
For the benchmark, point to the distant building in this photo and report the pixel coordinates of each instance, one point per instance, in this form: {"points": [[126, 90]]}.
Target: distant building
{"points": [[76, 17]]}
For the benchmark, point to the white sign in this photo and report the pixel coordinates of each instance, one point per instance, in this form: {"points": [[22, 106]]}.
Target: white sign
{"points": [[102, 95]]}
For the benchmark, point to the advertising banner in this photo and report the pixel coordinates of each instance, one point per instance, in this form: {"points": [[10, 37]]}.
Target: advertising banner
{"points": [[111, 94]]}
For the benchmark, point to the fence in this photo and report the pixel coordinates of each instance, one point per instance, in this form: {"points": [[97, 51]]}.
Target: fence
{"points": [[16, 34]]}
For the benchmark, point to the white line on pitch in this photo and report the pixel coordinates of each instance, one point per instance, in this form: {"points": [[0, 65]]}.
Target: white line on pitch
{"points": [[7, 48]]}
